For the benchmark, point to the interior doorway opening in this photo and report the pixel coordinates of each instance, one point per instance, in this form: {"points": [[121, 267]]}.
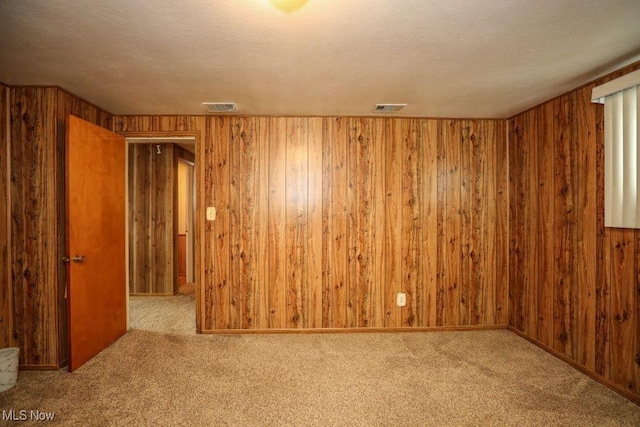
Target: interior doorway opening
{"points": [[161, 201]]}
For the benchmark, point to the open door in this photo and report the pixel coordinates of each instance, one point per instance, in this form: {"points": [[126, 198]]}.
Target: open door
{"points": [[96, 275]]}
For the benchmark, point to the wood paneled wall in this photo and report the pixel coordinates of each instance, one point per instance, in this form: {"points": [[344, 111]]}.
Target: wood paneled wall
{"points": [[6, 298], [151, 193], [574, 283], [321, 221], [152, 217], [37, 283]]}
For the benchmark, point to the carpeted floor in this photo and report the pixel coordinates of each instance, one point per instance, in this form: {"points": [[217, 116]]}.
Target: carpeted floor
{"points": [[150, 377]]}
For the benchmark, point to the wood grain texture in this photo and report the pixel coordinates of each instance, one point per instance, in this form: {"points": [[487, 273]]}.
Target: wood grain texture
{"points": [[70, 104], [182, 126], [36, 226], [33, 233], [152, 196], [393, 222], [586, 290], [452, 222], [314, 314], [217, 288], [337, 219], [500, 174], [429, 237], [322, 221], [6, 290]]}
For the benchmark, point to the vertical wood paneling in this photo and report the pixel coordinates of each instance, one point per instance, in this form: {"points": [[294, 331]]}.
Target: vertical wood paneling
{"points": [[378, 191], [366, 232], [262, 226], [441, 244], [466, 283], [516, 223], [587, 286], [532, 236], [502, 230], [393, 225], [479, 267], [586, 232], [337, 132], [322, 221], [277, 248], [34, 224], [314, 313], [217, 254], [603, 257], [546, 208], [452, 222], [412, 250], [152, 182], [623, 273], [429, 238], [564, 230], [6, 290], [490, 219], [243, 215], [296, 175], [237, 287]]}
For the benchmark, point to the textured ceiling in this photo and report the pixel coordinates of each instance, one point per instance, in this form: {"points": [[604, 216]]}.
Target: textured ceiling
{"points": [[454, 58]]}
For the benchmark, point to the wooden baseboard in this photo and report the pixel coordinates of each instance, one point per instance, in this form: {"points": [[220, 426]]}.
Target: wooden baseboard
{"points": [[602, 380], [38, 367], [151, 295], [351, 330]]}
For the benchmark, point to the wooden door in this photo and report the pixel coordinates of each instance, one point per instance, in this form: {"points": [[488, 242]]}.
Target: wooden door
{"points": [[95, 198]]}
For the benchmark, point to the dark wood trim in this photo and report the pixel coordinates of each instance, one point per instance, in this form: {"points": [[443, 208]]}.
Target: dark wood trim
{"points": [[602, 380], [354, 330]]}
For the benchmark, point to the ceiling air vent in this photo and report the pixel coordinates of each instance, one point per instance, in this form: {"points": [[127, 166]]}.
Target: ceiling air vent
{"points": [[220, 107], [388, 108]]}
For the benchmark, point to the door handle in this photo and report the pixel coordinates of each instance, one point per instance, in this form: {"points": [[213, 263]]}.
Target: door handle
{"points": [[78, 259]]}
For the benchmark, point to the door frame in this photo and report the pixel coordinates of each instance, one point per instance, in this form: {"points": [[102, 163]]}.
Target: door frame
{"points": [[171, 137], [190, 217]]}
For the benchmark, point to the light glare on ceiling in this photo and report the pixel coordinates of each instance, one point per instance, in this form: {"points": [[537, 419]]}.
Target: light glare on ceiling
{"points": [[288, 6]]}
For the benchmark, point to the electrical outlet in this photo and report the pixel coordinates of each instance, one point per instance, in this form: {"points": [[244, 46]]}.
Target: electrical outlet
{"points": [[211, 213], [401, 299]]}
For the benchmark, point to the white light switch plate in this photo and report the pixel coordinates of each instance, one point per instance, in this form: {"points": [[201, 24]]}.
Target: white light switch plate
{"points": [[402, 299], [211, 213]]}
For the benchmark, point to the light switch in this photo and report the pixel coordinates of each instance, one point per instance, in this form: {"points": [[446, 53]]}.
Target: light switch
{"points": [[211, 213]]}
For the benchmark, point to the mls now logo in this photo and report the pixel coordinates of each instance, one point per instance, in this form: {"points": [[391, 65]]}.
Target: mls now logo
{"points": [[24, 415]]}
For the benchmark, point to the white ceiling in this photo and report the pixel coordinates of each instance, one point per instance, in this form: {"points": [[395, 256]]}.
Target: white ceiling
{"points": [[453, 58]]}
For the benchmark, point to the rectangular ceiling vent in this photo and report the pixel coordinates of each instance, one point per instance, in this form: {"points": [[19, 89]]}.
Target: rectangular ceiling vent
{"points": [[388, 108], [220, 107]]}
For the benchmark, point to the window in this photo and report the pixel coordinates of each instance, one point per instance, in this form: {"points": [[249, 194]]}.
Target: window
{"points": [[621, 99]]}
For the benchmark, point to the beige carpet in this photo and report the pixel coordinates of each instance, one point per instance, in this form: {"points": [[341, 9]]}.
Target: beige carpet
{"points": [[439, 378]]}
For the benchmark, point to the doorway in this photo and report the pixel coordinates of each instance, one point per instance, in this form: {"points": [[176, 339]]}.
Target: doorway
{"points": [[160, 227]]}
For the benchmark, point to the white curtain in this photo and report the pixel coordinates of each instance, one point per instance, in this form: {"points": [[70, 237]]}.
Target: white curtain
{"points": [[621, 155]]}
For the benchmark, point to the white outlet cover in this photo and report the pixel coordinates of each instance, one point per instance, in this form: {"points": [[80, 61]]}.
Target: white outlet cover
{"points": [[401, 299], [211, 213]]}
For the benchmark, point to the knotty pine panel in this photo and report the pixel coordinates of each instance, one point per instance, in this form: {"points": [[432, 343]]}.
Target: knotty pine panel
{"points": [[6, 295], [37, 282], [34, 259], [152, 220], [321, 221], [585, 298]]}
